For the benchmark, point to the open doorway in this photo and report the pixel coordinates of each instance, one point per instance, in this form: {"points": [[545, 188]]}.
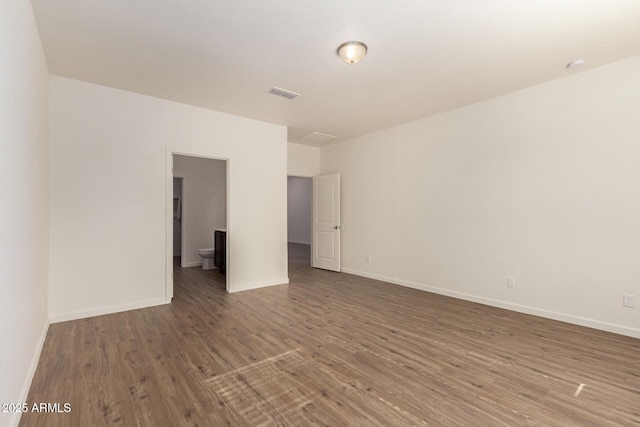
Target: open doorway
{"points": [[299, 205], [199, 224]]}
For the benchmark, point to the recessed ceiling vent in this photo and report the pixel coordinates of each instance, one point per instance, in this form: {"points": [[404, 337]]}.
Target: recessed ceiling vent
{"points": [[284, 93], [316, 138]]}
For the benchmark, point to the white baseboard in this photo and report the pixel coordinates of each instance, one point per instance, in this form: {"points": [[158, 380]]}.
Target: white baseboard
{"points": [[568, 318], [81, 314], [191, 264], [299, 242], [256, 285], [24, 392]]}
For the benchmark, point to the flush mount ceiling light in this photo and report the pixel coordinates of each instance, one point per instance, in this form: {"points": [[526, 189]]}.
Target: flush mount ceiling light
{"points": [[352, 52]]}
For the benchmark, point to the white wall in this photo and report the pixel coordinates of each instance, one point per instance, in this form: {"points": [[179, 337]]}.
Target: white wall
{"points": [[204, 203], [302, 160], [541, 184], [104, 140], [24, 224], [299, 202]]}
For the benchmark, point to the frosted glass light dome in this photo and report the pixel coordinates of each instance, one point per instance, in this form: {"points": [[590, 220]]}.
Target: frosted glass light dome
{"points": [[352, 52]]}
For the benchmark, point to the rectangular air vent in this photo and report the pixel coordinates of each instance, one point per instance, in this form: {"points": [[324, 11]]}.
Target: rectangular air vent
{"points": [[284, 93], [316, 138]]}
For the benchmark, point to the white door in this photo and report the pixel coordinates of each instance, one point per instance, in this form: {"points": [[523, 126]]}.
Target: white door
{"points": [[325, 240]]}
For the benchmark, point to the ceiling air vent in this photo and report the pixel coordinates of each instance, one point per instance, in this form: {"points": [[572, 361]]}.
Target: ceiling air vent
{"points": [[316, 138], [284, 93]]}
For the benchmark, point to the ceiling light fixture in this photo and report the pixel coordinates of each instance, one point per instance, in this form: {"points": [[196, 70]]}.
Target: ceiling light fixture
{"points": [[352, 52]]}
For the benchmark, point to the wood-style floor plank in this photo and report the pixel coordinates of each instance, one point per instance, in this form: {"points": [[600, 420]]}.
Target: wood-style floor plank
{"points": [[331, 349]]}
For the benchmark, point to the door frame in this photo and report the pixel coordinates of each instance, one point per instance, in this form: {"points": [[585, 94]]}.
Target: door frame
{"points": [[169, 213]]}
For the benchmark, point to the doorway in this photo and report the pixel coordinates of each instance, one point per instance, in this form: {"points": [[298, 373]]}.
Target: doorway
{"points": [[299, 206], [197, 196]]}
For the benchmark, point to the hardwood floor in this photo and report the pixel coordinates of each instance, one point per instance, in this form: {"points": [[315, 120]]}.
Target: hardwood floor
{"points": [[331, 349]]}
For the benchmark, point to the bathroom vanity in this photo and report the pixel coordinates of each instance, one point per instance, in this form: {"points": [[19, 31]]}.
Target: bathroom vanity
{"points": [[220, 254]]}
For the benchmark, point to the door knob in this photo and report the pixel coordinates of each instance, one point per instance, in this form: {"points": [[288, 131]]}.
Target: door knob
{"points": [[337, 227]]}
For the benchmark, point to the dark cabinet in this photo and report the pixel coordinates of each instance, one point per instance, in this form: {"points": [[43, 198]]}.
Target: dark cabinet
{"points": [[220, 254]]}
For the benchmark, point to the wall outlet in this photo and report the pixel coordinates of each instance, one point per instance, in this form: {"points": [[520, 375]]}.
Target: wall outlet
{"points": [[511, 282], [367, 259], [628, 300]]}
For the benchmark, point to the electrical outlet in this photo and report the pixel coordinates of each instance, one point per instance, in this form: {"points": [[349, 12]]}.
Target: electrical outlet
{"points": [[628, 300], [511, 282], [367, 259]]}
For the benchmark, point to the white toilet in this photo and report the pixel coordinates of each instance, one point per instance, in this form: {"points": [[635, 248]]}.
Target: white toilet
{"points": [[207, 258]]}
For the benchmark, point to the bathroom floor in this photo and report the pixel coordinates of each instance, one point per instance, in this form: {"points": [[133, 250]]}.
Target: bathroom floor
{"points": [[197, 276]]}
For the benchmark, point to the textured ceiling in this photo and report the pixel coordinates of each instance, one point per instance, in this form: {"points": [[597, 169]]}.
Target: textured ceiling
{"points": [[425, 56]]}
